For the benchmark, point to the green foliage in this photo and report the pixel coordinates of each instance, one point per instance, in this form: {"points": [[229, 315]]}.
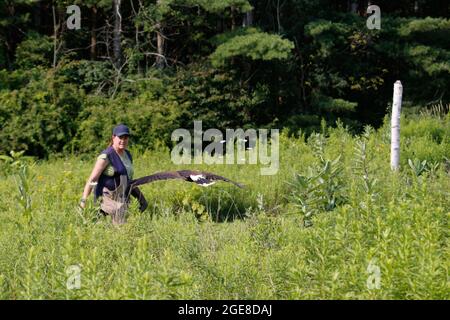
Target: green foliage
{"points": [[359, 213], [327, 35], [425, 27], [439, 111], [438, 130], [422, 47], [12, 163], [368, 182], [294, 64], [216, 98], [24, 193], [35, 50], [431, 60], [92, 76], [417, 166], [218, 6], [228, 36], [17, 79], [321, 189], [90, 3], [178, 250], [151, 122], [329, 105], [427, 139], [39, 117], [254, 46]]}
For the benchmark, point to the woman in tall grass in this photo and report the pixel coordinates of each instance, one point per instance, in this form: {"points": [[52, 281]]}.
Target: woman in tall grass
{"points": [[110, 176]]}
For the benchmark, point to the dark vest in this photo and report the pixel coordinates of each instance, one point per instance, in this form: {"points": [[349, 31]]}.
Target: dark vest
{"points": [[113, 182]]}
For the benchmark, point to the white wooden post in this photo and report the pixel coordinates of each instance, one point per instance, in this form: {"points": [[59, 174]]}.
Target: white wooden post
{"points": [[395, 125]]}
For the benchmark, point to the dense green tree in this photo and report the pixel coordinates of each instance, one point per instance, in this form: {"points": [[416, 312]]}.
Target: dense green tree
{"points": [[231, 63]]}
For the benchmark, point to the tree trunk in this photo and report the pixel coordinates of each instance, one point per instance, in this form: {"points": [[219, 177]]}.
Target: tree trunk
{"points": [[363, 7], [7, 54], [117, 47], [160, 58], [233, 18], [55, 38], [160, 45], [139, 66], [58, 30], [136, 36], [10, 39], [93, 49], [220, 28], [280, 28], [37, 15], [248, 19]]}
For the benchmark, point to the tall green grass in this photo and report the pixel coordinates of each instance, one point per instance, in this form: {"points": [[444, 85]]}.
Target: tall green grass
{"points": [[276, 239]]}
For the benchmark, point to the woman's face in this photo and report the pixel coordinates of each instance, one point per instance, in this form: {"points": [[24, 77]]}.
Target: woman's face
{"points": [[120, 143]]}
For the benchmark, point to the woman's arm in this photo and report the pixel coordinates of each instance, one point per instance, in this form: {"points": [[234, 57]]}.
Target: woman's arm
{"points": [[100, 165]]}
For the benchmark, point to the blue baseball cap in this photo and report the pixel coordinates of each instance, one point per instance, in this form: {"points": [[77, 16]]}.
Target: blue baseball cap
{"points": [[121, 130]]}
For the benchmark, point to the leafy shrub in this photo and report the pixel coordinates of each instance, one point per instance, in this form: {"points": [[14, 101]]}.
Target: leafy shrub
{"points": [[150, 121], [431, 127], [322, 188], [11, 164], [39, 117], [35, 50], [424, 148], [92, 76]]}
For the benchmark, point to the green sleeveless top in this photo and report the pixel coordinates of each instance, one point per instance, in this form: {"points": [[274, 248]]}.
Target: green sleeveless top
{"points": [[109, 170]]}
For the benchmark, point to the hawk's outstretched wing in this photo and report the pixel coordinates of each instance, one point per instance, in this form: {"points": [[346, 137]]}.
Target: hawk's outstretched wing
{"points": [[201, 178]]}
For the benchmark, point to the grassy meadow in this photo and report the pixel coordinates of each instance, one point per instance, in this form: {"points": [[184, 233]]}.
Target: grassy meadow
{"points": [[333, 223]]}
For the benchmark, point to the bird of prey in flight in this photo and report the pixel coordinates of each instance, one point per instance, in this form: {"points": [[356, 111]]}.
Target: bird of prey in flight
{"points": [[201, 178]]}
